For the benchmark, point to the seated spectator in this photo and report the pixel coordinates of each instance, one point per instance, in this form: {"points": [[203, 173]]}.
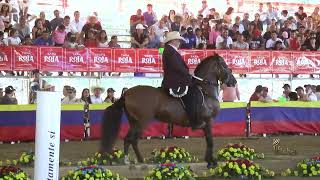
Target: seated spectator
{"points": [[283, 18], [190, 39], [301, 35], [309, 24], [110, 96], [230, 92], [213, 14], [293, 96], [8, 97], [91, 40], [5, 12], [286, 91], [139, 39], [224, 41], [285, 38], [215, 32], [309, 94], [22, 28], [315, 16], [71, 98], [45, 22], [44, 40], [114, 42], [153, 39], [200, 39], [318, 92], [172, 13], [186, 20], [267, 35], [202, 46], [194, 24], [150, 16], [240, 44], [272, 42], [293, 41], [257, 94], [300, 15], [13, 39], [159, 26], [227, 16], [245, 22], [55, 22], [233, 32], [102, 39], [257, 22], [163, 37], [205, 28], [278, 46], [264, 96], [85, 96], [2, 43], [59, 35], [65, 91], [71, 41], [238, 23], [292, 23], [96, 97], [38, 29], [311, 44], [93, 26], [177, 24]]}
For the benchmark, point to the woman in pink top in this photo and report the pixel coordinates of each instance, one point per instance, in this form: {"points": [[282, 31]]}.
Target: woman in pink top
{"points": [[215, 32], [59, 36], [230, 92]]}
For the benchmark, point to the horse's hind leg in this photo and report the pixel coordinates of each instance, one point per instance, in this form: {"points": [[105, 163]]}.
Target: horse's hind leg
{"points": [[135, 147], [127, 141]]}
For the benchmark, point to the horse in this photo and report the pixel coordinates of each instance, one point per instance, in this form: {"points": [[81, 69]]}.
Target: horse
{"points": [[144, 103]]}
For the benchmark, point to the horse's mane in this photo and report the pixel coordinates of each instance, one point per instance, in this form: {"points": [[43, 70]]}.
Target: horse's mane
{"points": [[205, 62]]}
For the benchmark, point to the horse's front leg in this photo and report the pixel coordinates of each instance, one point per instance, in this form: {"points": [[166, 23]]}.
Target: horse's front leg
{"points": [[209, 152]]}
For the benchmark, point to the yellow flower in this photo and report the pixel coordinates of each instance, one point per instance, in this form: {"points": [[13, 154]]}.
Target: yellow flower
{"points": [[243, 166], [295, 173], [230, 165], [212, 171], [163, 155], [225, 174], [305, 172], [303, 166]]}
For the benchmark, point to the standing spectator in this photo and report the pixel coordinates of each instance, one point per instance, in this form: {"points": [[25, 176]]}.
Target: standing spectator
{"points": [[71, 98], [96, 97], [172, 14], [8, 97], [318, 92], [215, 32], [5, 12], [59, 35], [240, 44], [213, 14], [224, 41], [38, 29], [13, 39], [264, 96], [44, 40], [283, 18], [230, 92], [185, 10], [205, 27], [139, 39], [262, 14], [93, 26], [315, 16], [159, 26], [85, 96], [245, 22], [45, 22], [271, 13], [309, 24], [292, 23], [102, 39], [55, 22], [114, 42], [238, 23], [176, 25], [76, 24], [258, 23], [286, 91], [190, 39], [285, 28], [204, 9], [150, 16], [66, 23], [153, 39], [110, 96], [272, 41], [200, 39], [22, 28], [257, 94], [138, 18], [300, 16], [227, 16]]}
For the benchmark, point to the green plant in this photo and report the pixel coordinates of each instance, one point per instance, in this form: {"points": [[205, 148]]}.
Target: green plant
{"points": [[171, 171]]}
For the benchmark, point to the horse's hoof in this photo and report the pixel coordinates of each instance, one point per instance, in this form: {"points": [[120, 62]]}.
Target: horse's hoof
{"points": [[212, 164]]}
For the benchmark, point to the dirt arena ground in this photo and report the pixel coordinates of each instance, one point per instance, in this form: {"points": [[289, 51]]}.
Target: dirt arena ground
{"points": [[306, 147]]}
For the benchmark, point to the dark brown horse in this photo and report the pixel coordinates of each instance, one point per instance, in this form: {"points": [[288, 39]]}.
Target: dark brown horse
{"points": [[144, 103]]}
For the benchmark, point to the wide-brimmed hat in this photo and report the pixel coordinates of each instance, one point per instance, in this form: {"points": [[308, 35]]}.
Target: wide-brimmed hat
{"points": [[9, 90], [140, 26], [98, 87], [172, 36], [10, 7]]}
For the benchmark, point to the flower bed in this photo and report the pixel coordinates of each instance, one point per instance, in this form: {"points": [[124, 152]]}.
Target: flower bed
{"points": [[12, 173], [26, 159], [116, 157], [241, 169], [172, 154], [238, 151], [306, 168], [171, 171], [92, 173]]}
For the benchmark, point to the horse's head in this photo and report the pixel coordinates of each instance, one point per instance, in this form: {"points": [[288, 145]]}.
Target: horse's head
{"points": [[214, 69]]}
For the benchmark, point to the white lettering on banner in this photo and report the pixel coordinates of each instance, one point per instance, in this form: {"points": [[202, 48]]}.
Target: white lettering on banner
{"points": [[194, 59], [3, 58], [281, 61], [26, 58], [260, 61], [51, 156], [125, 59], [148, 59], [100, 59], [239, 61], [76, 59], [51, 59], [303, 61]]}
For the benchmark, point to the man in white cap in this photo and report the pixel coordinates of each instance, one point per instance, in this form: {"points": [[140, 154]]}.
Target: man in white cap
{"points": [[96, 97], [178, 81], [139, 39]]}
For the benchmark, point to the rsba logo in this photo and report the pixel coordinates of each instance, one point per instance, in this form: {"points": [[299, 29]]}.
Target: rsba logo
{"points": [[281, 61], [303, 61], [148, 59], [260, 61], [100, 58], [194, 60], [51, 59], [26, 58], [124, 59], [3, 57], [76, 59], [239, 61]]}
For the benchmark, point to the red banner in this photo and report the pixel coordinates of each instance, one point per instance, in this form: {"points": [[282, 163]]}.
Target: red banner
{"points": [[148, 60], [124, 60], [281, 62], [193, 57], [260, 62], [25, 58], [317, 64], [304, 62], [100, 60], [5, 58], [51, 59], [238, 61], [76, 60]]}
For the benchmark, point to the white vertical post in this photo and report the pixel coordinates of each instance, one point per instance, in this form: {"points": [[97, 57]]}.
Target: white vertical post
{"points": [[47, 136]]}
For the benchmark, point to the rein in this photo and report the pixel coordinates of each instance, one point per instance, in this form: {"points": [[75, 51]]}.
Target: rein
{"points": [[205, 81]]}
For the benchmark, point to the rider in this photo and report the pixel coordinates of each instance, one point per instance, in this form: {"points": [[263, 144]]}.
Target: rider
{"points": [[179, 82]]}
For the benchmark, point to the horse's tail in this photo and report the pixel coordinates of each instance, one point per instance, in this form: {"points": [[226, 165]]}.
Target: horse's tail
{"points": [[111, 125]]}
